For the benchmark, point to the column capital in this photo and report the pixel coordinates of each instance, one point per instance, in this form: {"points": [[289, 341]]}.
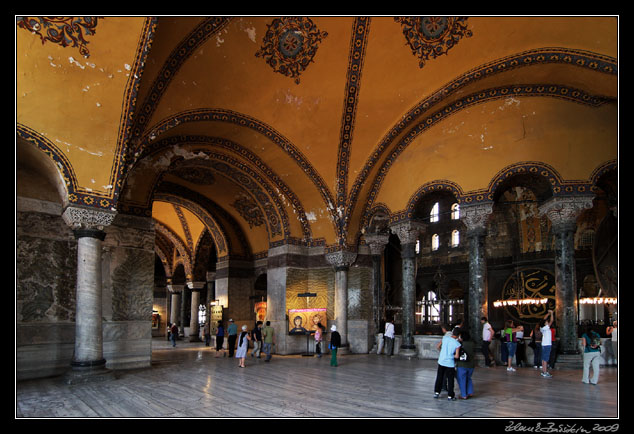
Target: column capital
{"points": [[82, 218], [563, 211], [376, 242], [407, 231], [475, 216], [196, 286], [341, 258], [175, 288]]}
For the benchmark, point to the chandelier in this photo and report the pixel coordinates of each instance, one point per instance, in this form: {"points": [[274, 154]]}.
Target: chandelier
{"points": [[598, 300]]}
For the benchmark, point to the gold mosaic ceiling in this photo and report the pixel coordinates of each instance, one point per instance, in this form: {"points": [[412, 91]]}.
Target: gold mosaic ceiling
{"points": [[294, 129]]}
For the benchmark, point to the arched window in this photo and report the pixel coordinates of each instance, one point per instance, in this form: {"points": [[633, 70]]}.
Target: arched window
{"points": [[455, 238], [433, 215], [455, 211], [435, 242]]}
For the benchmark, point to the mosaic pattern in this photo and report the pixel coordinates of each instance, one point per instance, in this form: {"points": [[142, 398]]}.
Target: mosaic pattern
{"points": [[430, 37], [249, 210], [290, 45], [64, 31], [195, 175], [358, 43]]}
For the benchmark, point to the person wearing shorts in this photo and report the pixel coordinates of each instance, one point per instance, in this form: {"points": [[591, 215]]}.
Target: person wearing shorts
{"points": [[547, 343]]}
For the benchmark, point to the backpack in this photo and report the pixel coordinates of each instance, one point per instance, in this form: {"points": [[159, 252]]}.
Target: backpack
{"points": [[595, 341]]}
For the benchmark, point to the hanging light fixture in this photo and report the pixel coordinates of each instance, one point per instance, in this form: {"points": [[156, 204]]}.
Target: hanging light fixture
{"points": [[598, 300]]}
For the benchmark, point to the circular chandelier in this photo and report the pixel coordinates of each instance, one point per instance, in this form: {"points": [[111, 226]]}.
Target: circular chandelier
{"points": [[519, 302]]}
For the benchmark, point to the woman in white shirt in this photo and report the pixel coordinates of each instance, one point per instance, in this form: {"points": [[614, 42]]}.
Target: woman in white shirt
{"points": [[547, 341]]}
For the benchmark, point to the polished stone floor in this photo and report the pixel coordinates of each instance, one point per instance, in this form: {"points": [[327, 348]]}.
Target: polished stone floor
{"points": [[189, 382]]}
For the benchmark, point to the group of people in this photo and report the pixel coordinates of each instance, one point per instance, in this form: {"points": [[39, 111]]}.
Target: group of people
{"points": [[456, 358], [263, 338]]}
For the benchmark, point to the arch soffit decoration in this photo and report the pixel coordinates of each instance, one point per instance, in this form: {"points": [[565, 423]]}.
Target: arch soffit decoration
{"points": [[184, 255], [558, 187]]}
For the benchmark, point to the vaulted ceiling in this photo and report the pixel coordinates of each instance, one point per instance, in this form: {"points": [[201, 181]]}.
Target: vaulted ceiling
{"points": [[268, 130]]}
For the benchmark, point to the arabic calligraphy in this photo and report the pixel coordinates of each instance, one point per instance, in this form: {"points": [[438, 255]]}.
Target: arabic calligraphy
{"points": [[530, 286]]}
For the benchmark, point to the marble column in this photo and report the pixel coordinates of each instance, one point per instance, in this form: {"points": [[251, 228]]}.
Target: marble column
{"points": [[194, 326], [475, 219], [408, 233], [562, 213], [88, 363], [377, 243], [177, 291], [341, 261]]}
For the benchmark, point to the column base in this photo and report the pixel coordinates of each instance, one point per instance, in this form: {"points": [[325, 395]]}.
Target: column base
{"points": [[88, 372], [407, 351], [195, 339], [569, 361]]}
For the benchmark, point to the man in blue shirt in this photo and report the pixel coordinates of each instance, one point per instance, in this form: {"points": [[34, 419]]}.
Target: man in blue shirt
{"points": [[446, 363], [232, 332]]}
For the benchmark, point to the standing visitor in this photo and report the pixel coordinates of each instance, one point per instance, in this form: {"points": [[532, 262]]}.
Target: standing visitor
{"points": [[465, 365], [318, 336], [487, 335], [611, 345], [257, 339], [510, 339], [335, 343], [207, 333], [544, 328], [243, 345], [268, 334], [174, 334], [232, 336], [536, 341], [520, 352], [447, 364], [591, 342], [220, 339], [389, 338]]}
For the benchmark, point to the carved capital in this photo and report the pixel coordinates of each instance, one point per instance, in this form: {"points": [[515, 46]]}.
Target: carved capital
{"points": [[376, 242], [87, 218], [563, 211], [408, 231], [341, 258], [177, 289], [196, 286], [475, 216]]}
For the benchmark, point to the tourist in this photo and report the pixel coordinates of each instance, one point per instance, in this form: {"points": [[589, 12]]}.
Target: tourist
{"points": [[520, 352], [591, 342], [544, 328], [465, 365], [268, 334], [232, 336], [335, 343], [448, 348], [536, 345], [220, 339], [174, 334], [611, 345], [487, 335], [256, 336], [510, 340], [318, 336], [207, 333], [389, 337], [243, 345]]}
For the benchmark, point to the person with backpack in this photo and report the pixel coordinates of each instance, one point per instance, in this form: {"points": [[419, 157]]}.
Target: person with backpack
{"points": [[591, 355], [465, 364]]}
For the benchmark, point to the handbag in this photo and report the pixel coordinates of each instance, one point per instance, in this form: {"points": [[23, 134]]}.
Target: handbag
{"points": [[463, 356]]}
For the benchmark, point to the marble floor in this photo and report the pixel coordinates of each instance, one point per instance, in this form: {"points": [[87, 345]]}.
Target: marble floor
{"points": [[189, 382]]}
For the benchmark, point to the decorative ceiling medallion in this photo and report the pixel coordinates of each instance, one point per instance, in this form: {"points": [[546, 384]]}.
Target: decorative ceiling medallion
{"points": [[429, 37], [65, 31], [290, 44]]}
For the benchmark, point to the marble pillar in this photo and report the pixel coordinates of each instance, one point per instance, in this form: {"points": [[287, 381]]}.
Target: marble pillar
{"points": [[475, 219], [194, 326], [408, 233], [562, 213], [88, 363], [177, 292], [377, 243], [341, 260]]}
